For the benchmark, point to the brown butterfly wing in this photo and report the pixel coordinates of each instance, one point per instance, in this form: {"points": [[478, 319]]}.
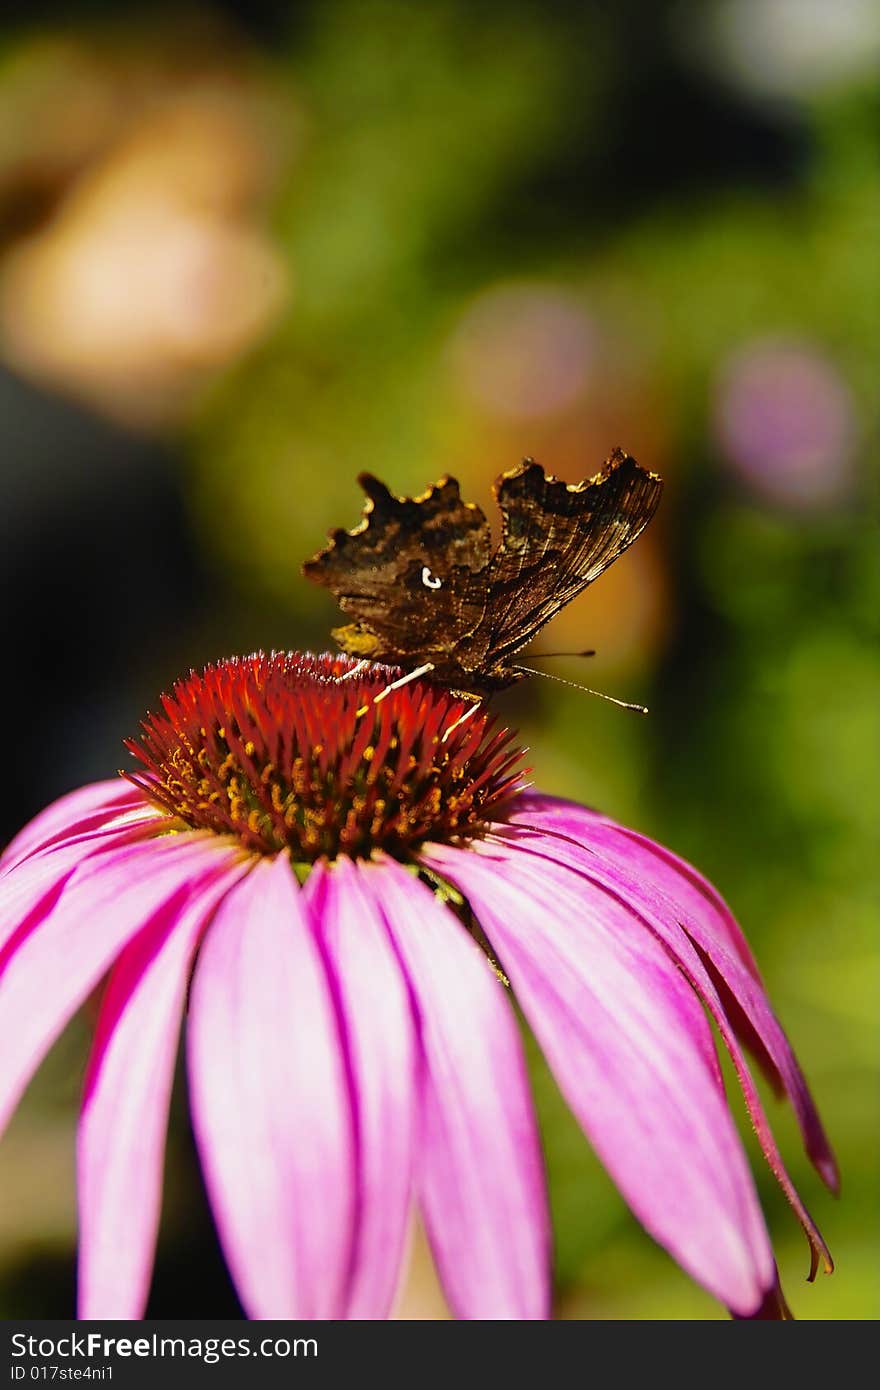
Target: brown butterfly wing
{"points": [[556, 539], [385, 573]]}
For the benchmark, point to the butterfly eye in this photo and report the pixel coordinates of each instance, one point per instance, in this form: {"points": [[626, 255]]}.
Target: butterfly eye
{"points": [[430, 580]]}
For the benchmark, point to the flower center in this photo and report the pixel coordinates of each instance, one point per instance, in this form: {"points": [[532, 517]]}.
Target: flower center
{"points": [[291, 751]]}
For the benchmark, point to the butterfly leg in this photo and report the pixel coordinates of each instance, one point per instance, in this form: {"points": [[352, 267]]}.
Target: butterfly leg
{"points": [[356, 670], [462, 719], [395, 685]]}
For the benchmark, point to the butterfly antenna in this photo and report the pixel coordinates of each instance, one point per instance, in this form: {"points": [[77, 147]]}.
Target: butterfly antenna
{"points": [[624, 704], [545, 656]]}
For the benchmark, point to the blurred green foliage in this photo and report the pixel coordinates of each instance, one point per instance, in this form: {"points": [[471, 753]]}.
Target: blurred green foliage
{"points": [[444, 150]]}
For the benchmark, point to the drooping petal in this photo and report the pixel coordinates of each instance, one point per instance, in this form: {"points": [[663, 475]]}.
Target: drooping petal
{"points": [[377, 1025], [774, 1307], [631, 1049], [479, 1172], [121, 1134], [65, 955], [85, 809], [752, 1014], [269, 1101], [603, 875], [656, 878], [568, 818]]}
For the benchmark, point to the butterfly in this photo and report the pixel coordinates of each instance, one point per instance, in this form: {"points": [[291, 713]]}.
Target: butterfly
{"points": [[426, 588]]}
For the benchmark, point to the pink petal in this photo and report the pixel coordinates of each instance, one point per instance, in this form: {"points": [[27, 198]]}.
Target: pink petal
{"points": [[377, 1025], [85, 809], [630, 1047], [269, 1101], [675, 890], [125, 829], [31, 887], [121, 1137], [567, 818], [774, 1307], [753, 1017], [28, 895], [480, 1176], [44, 981], [602, 874]]}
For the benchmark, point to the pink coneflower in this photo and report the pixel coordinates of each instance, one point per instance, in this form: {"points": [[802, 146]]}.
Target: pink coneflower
{"points": [[335, 891]]}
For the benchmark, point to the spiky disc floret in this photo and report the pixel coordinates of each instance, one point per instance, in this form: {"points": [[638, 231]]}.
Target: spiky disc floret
{"points": [[286, 752]]}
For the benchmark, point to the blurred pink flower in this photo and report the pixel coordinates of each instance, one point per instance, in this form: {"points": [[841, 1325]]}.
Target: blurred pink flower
{"points": [[525, 350], [352, 1052], [786, 422]]}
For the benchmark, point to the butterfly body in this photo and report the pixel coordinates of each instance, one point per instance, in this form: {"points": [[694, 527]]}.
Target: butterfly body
{"points": [[423, 583]]}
